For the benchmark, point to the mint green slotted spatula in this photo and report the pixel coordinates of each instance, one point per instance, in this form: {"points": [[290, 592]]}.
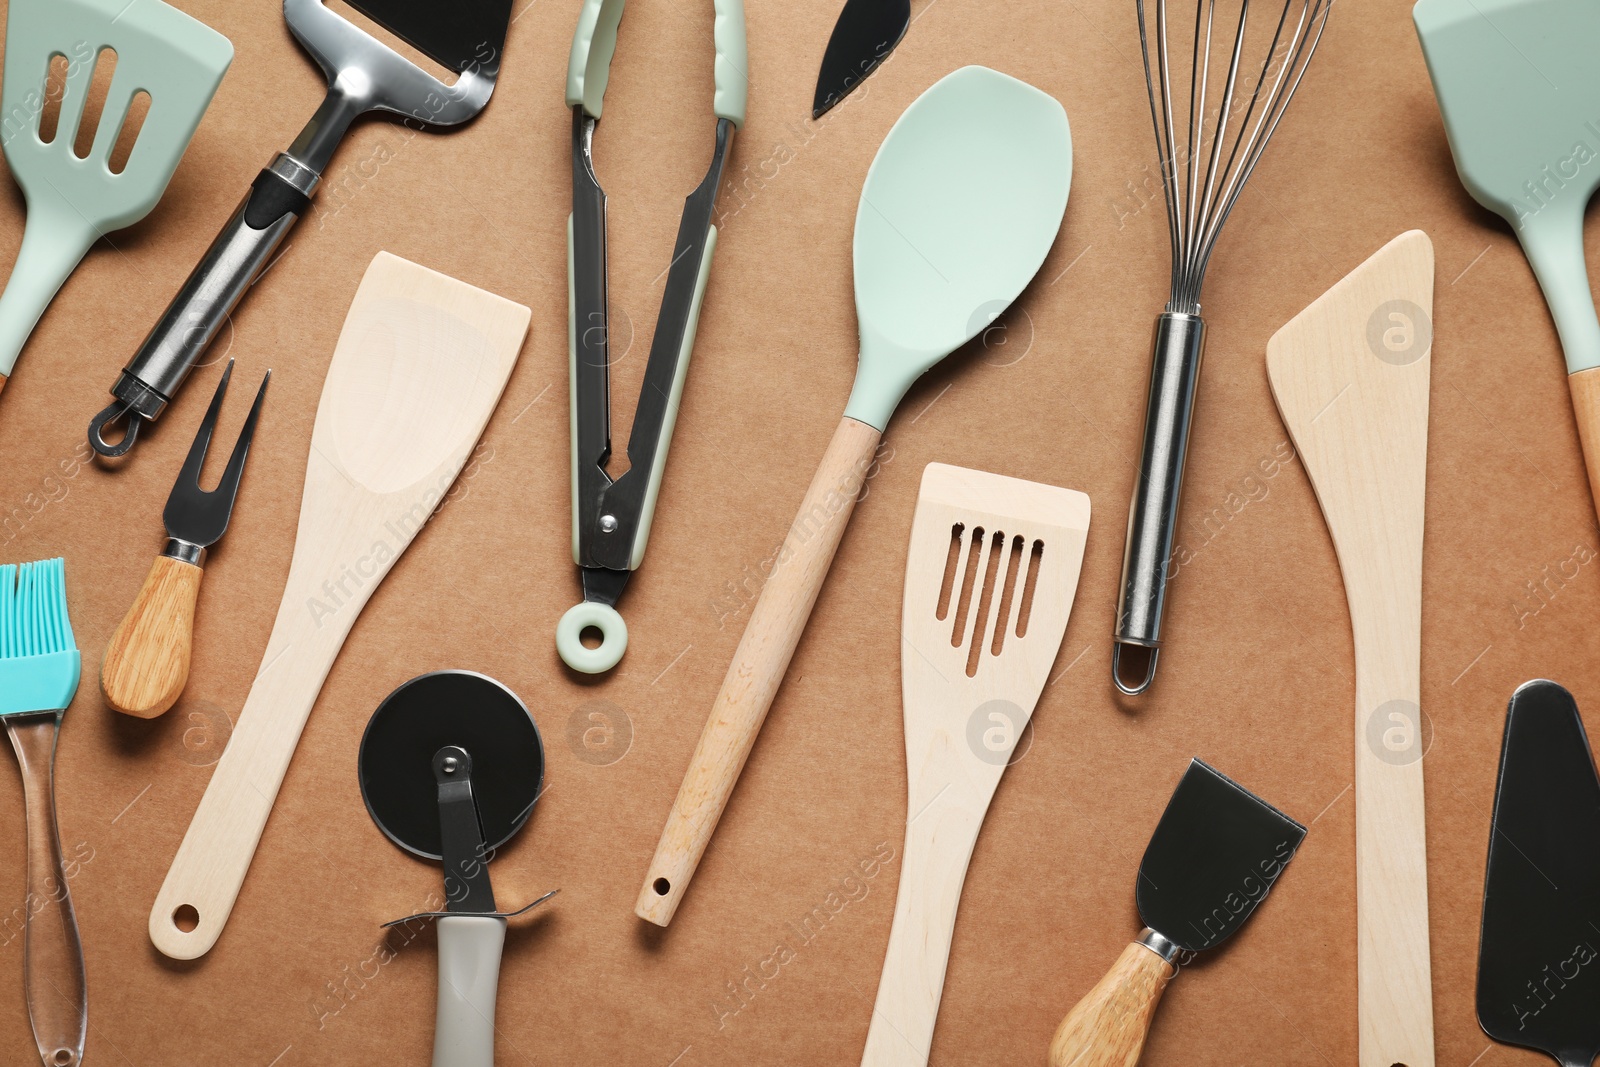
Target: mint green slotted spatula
{"points": [[958, 212], [1518, 83], [158, 51]]}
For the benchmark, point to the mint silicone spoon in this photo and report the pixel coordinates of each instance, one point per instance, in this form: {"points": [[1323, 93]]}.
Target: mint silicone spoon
{"points": [[1519, 89], [159, 51], [958, 211]]}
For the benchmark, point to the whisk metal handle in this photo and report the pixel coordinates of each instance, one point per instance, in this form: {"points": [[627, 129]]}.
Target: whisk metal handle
{"points": [[1153, 514]]}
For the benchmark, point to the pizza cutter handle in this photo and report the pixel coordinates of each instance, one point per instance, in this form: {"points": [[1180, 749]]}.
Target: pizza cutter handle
{"points": [[1109, 1025], [469, 977]]}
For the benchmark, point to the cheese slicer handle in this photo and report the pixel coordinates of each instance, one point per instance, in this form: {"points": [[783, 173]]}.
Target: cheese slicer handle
{"points": [[1109, 1025], [147, 660], [752, 681]]}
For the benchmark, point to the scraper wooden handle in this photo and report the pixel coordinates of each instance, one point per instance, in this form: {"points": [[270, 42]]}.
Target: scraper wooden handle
{"points": [[752, 681], [1585, 387], [147, 659], [1109, 1025]]}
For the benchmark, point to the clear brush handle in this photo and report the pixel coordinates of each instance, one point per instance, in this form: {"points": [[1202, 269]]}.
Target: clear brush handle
{"points": [[1153, 513], [53, 244], [58, 997]]}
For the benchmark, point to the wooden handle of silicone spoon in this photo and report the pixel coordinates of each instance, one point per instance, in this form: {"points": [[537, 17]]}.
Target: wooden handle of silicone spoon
{"points": [[147, 660], [1585, 387], [57, 995], [752, 681], [1109, 1025]]}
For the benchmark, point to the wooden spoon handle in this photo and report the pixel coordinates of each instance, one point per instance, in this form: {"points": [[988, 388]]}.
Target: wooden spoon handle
{"points": [[758, 666], [1109, 1025], [147, 660], [1585, 387]]}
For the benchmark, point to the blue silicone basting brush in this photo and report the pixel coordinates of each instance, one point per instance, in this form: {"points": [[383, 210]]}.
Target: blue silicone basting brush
{"points": [[39, 668]]}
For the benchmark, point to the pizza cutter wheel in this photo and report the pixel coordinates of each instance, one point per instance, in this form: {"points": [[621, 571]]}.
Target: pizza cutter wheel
{"points": [[450, 767]]}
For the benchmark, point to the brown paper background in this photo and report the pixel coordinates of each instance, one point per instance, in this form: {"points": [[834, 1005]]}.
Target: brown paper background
{"points": [[1257, 678]]}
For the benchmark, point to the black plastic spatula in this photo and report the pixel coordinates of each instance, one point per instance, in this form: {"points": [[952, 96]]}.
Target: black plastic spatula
{"points": [[1539, 957], [1214, 856]]}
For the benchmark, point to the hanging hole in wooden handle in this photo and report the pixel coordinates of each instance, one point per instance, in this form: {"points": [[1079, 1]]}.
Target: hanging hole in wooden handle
{"points": [[661, 886], [186, 918]]}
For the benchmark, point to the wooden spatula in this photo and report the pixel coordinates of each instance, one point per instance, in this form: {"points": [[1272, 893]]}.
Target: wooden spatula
{"points": [[1350, 375], [989, 585], [419, 367]]}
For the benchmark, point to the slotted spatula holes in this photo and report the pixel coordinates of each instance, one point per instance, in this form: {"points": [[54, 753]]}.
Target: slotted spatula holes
{"points": [[105, 65], [59, 72], [991, 567], [56, 70], [952, 561], [132, 123], [969, 578], [982, 554]]}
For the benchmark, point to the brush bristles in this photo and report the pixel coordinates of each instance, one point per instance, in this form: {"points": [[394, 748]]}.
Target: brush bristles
{"points": [[33, 609]]}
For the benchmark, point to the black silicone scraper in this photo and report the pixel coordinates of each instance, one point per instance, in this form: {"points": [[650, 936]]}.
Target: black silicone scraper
{"points": [[1211, 862], [1539, 956], [450, 767], [865, 34]]}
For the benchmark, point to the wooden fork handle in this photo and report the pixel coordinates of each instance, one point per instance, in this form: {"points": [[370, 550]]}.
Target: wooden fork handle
{"points": [[769, 641], [147, 660], [1109, 1025]]}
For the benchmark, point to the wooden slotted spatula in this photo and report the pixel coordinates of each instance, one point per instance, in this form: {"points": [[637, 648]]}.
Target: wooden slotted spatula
{"points": [[419, 367], [1350, 375], [990, 579]]}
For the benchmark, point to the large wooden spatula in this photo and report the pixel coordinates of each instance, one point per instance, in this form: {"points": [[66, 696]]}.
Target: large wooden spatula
{"points": [[1350, 375], [419, 367]]}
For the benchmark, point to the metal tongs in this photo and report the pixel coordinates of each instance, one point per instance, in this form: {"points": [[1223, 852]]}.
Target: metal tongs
{"points": [[611, 518]]}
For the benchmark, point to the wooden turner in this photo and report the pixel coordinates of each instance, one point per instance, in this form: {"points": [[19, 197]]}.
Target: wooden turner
{"points": [[419, 367], [989, 585], [1350, 375]]}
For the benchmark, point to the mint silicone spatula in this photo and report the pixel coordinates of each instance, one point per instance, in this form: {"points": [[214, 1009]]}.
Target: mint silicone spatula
{"points": [[958, 211], [1519, 89], [73, 200]]}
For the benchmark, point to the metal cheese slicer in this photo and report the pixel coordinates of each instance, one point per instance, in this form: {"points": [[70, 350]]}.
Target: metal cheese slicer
{"points": [[364, 75]]}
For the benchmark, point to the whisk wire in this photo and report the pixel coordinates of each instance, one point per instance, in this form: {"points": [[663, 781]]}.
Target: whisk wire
{"points": [[1201, 182]]}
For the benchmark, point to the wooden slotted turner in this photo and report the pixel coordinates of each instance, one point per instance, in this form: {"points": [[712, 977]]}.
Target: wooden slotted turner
{"points": [[1350, 376], [418, 369], [990, 579]]}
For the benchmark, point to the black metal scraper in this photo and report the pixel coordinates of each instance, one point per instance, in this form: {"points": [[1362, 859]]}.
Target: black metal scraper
{"points": [[1539, 955], [1215, 855]]}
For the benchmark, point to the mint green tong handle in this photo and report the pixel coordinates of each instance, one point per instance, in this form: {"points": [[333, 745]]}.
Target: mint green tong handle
{"points": [[596, 42]]}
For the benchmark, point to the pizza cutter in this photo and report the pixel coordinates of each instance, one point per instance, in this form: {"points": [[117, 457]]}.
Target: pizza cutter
{"points": [[450, 766]]}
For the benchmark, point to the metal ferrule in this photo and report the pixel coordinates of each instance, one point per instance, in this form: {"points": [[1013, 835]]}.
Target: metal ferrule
{"points": [[1153, 512], [296, 173], [1153, 941], [185, 552]]}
